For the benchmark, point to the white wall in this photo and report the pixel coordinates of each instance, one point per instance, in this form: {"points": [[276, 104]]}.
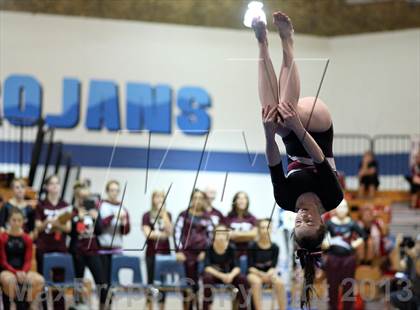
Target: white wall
{"points": [[372, 86], [376, 82], [374, 73]]}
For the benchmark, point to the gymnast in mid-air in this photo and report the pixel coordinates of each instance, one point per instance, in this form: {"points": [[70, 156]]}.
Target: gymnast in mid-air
{"points": [[310, 186]]}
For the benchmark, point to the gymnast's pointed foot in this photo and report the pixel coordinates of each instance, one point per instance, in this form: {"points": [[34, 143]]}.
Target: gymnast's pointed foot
{"points": [[260, 30], [283, 24]]}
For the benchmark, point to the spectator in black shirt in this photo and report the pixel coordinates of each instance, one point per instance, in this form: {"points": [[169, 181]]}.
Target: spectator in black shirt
{"points": [[368, 175], [221, 267], [86, 226], [262, 260], [414, 180]]}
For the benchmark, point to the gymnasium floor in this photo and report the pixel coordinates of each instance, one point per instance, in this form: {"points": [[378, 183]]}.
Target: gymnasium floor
{"points": [[221, 302]]}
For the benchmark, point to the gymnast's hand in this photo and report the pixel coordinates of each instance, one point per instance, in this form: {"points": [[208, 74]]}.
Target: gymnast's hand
{"points": [[180, 257], [227, 278], [270, 122], [290, 116], [21, 277]]}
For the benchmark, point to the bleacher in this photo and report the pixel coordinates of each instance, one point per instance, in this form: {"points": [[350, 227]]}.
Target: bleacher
{"points": [[389, 205]]}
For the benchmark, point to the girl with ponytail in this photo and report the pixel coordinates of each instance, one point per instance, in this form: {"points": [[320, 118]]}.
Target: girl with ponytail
{"points": [[310, 186], [310, 259]]}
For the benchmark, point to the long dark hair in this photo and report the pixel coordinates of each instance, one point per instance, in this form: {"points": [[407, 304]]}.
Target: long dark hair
{"points": [[309, 254], [196, 190], [233, 211]]}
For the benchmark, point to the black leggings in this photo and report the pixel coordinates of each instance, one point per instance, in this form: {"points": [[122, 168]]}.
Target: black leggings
{"points": [[368, 180], [94, 263], [106, 260], [150, 263], [324, 139]]}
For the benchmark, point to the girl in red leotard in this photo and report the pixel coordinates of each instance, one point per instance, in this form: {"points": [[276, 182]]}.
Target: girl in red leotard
{"points": [[15, 260]]}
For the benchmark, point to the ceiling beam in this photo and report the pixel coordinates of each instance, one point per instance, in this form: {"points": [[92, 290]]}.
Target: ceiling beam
{"points": [[317, 17]]}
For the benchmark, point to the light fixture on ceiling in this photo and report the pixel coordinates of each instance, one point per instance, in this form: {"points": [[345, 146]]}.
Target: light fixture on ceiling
{"points": [[255, 10]]}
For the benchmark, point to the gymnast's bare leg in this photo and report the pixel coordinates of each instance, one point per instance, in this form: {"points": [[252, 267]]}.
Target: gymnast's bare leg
{"points": [[267, 79], [289, 82]]}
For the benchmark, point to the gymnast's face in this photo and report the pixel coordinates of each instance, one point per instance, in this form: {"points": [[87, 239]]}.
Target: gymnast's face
{"points": [[53, 186], [81, 195], [157, 199], [264, 228], [308, 217], [368, 156], [19, 189], [211, 194], [367, 215], [241, 201], [113, 191], [16, 221], [198, 201], [221, 235]]}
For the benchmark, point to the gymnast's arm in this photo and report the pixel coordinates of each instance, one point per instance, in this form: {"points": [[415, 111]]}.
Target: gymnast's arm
{"points": [[333, 193], [280, 185], [271, 149], [293, 122]]}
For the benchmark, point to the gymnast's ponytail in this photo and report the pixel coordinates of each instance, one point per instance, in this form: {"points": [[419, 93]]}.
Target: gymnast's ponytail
{"points": [[309, 255]]}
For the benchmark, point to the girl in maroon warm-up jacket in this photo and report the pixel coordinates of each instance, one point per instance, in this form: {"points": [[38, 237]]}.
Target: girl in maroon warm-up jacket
{"points": [[193, 235], [52, 222]]}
